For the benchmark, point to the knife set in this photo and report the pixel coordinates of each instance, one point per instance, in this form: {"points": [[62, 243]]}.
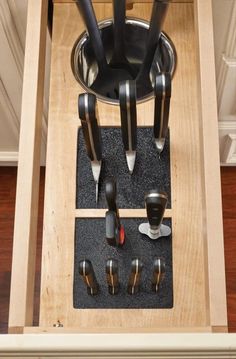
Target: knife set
{"points": [[87, 108], [118, 78], [112, 276]]}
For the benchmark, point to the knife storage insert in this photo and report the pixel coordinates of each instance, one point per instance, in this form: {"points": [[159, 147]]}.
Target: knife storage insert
{"points": [[150, 171], [91, 244]]}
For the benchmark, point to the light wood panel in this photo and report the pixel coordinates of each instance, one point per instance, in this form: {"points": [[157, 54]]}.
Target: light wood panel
{"points": [[214, 239], [25, 229], [191, 305]]}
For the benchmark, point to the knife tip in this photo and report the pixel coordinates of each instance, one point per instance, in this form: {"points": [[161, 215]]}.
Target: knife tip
{"points": [[160, 145], [130, 159]]}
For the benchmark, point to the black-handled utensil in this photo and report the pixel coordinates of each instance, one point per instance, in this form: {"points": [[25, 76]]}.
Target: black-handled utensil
{"points": [[155, 203], [128, 113], [107, 80], [159, 269], [135, 276], [112, 276], [159, 10], [115, 232], [119, 59], [89, 278], [162, 91], [87, 108]]}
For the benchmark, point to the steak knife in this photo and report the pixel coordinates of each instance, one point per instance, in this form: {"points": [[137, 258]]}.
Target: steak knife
{"points": [[87, 272], [128, 113], [135, 276], [87, 104], [158, 273], [112, 276], [162, 90]]}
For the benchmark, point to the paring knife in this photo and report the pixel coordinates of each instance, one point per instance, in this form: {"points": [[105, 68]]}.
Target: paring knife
{"points": [[155, 203], [162, 90], [112, 276], [135, 276], [87, 272], [115, 233], [87, 107], [159, 268], [128, 113]]}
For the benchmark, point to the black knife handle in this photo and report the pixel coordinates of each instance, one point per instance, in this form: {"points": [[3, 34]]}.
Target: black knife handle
{"points": [[87, 108], [159, 10], [119, 10], [87, 272], [159, 269], [162, 90], [112, 229], [112, 276], [86, 9], [111, 193], [135, 276], [155, 205], [128, 113]]}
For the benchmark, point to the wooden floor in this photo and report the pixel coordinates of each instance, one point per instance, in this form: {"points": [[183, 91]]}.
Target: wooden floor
{"points": [[7, 204]]}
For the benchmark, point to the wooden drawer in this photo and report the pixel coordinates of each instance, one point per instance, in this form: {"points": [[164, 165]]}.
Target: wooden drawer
{"points": [[198, 252]]}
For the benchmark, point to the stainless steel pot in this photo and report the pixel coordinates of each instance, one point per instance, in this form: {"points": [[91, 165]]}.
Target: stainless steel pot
{"points": [[84, 65]]}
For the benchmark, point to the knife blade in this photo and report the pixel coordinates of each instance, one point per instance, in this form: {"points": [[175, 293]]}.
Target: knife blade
{"points": [[87, 108], [89, 278], [112, 276], [135, 276], [158, 273], [162, 90], [128, 113]]}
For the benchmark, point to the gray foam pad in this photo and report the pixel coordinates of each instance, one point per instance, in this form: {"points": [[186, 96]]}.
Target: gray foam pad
{"points": [[150, 172], [90, 243]]}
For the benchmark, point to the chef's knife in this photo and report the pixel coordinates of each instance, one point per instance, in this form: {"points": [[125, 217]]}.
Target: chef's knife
{"points": [[158, 273], [135, 276], [112, 276], [87, 104], [162, 90], [128, 113], [87, 272]]}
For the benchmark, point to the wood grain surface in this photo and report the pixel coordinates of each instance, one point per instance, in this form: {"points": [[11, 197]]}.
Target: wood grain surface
{"points": [[7, 207], [191, 304]]}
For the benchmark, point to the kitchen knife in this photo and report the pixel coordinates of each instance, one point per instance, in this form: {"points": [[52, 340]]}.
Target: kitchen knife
{"points": [[135, 276], [112, 276], [159, 11], [87, 107], [162, 90], [128, 113], [158, 273], [115, 233], [87, 272], [155, 203]]}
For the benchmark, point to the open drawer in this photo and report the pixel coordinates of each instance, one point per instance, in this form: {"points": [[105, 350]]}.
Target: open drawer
{"points": [[196, 213]]}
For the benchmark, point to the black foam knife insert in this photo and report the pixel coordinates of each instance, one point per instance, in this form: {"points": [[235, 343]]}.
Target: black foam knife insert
{"points": [[90, 243], [150, 171]]}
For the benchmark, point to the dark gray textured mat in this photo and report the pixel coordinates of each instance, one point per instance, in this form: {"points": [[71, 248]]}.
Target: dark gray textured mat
{"points": [[90, 243], [150, 172]]}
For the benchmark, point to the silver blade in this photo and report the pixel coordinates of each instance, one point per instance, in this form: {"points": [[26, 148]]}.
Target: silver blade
{"points": [[130, 158], [160, 143], [96, 169]]}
